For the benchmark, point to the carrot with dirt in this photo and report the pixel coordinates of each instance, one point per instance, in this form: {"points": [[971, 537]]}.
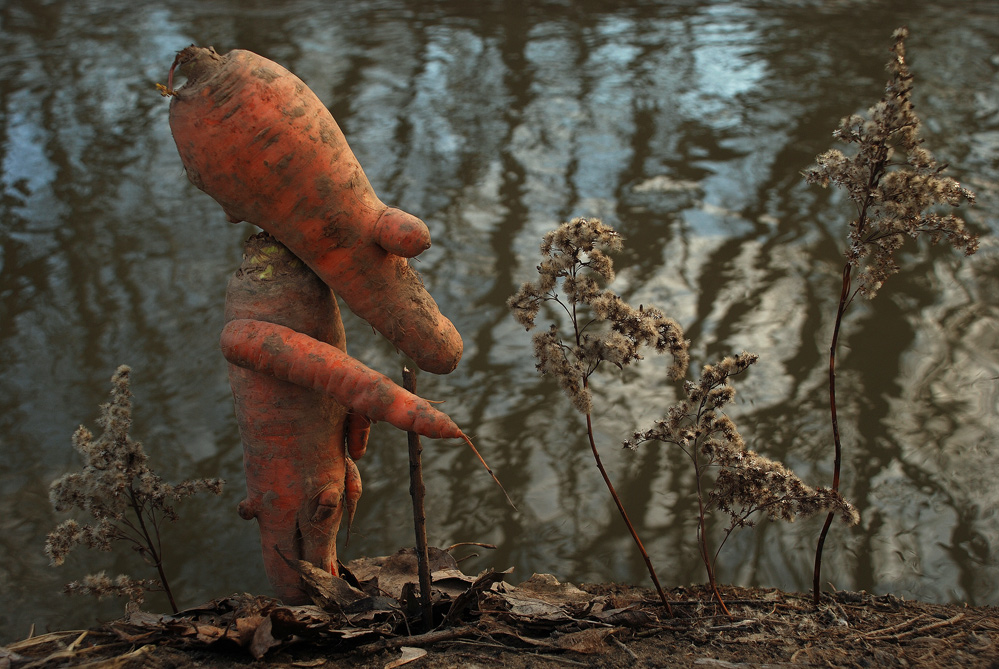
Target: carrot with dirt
{"points": [[299, 479], [253, 136], [296, 357]]}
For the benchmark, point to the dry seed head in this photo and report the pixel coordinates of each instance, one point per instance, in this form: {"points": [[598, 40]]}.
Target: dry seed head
{"points": [[115, 481], [746, 482], [896, 198], [574, 262]]}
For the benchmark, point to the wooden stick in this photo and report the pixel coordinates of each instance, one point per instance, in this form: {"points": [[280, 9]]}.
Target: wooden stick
{"points": [[418, 491]]}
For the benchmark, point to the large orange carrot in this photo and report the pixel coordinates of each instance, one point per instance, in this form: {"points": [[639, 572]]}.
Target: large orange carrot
{"points": [[293, 437], [253, 136]]}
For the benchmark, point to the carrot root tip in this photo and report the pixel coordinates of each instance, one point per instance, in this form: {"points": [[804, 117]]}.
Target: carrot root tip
{"points": [[468, 441]]}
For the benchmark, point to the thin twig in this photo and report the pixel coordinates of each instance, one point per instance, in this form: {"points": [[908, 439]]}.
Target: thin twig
{"points": [[623, 646], [887, 631], [418, 639], [417, 491], [919, 630], [624, 514], [149, 544]]}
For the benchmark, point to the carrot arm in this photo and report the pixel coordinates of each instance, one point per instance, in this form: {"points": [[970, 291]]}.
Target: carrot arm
{"points": [[291, 356]]}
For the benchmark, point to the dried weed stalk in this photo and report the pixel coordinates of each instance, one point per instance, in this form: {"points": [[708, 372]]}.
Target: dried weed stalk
{"points": [[745, 482], [604, 327], [898, 190], [127, 500]]}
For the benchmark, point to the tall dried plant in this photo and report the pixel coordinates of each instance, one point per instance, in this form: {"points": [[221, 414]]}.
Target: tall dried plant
{"points": [[898, 190], [745, 482], [127, 500], [604, 328]]}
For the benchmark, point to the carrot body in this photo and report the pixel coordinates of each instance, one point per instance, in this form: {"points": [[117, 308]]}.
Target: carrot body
{"points": [[253, 136], [296, 357], [293, 437]]}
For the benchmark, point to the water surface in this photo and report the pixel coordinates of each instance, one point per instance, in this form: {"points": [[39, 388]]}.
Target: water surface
{"points": [[685, 125]]}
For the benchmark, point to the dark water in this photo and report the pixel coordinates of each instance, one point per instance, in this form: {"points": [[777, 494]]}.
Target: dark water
{"points": [[685, 125]]}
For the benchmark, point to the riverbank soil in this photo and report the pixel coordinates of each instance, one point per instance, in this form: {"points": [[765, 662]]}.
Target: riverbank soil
{"points": [[486, 622]]}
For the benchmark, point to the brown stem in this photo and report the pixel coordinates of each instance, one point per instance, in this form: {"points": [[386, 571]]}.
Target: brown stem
{"points": [[157, 558], [702, 538], [838, 456], [624, 514], [417, 491]]}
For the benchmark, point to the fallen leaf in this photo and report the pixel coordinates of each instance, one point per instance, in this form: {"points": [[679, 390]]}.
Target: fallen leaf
{"points": [[548, 588], [626, 617], [364, 570], [586, 641], [327, 591], [451, 582], [483, 582], [241, 630], [403, 567], [408, 655], [263, 639]]}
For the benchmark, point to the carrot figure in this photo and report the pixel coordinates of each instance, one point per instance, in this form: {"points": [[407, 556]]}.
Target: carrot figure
{"points": [[256, 139]]}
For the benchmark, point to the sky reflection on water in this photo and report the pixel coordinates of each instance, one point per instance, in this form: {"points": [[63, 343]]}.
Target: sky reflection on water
{"points": [[683, 125]]}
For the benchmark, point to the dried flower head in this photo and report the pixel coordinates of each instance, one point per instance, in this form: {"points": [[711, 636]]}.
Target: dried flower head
{"points": [[897, 186], [574, 258], [101, 585], [126, 499], [745, 482]]}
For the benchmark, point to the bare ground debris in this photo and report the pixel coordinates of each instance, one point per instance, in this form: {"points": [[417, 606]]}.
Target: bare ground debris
{"points": [[370, 619]]}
